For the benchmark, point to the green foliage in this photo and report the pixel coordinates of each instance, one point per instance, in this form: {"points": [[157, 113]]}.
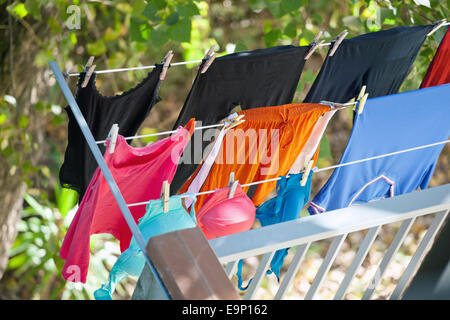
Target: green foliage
{"points": [[137, 32]]}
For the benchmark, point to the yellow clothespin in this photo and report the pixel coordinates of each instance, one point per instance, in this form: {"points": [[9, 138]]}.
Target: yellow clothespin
{"points": [[210, 56], [308, 167], [337, 42], [360, 96], [89, 69], [112, 137], [314, 44], [362, 102], [166, 63], [165, 194]]}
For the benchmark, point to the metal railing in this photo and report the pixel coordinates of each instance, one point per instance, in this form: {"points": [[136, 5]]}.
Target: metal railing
{"points": [[336, 225]]}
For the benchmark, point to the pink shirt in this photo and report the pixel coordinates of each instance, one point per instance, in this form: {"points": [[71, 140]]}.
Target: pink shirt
{"points": [[139, 174]]}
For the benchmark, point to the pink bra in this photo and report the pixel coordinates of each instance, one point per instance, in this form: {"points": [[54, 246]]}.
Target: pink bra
{"points": [[220, 216]]}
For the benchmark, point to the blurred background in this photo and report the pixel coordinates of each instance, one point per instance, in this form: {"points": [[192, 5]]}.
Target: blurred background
{"points": [[35, 211]]}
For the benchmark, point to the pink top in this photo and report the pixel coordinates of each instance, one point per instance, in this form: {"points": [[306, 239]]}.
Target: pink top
{"points": [[220, 216], [139, 174]]}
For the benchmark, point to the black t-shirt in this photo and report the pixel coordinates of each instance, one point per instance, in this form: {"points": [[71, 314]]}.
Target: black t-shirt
{"points": [[128, 110]]}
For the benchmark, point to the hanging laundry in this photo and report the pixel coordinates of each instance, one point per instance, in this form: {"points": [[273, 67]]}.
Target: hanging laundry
{"points": [[389, 124], [439, 69], [265, 146], [155, 222], [139, 174], [220, 215], [128, 110], [287, 205], [380, 60], [258, 78]]}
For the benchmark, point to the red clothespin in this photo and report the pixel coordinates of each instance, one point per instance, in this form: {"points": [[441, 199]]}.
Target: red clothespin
{"points": [[337, 42], [314, 44], [112, 137], [89, 69], [166, 63], [210, 56], [165, 195]]}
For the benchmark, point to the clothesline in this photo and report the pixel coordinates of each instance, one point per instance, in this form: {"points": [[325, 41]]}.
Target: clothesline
{"points": [[316, 170], [339, 106], [326, 44]]}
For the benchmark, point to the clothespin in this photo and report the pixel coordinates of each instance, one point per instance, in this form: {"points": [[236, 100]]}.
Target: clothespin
{"points": [[66, 74], [314, 44], [234, 122], [165, 194], [210, 56], [362, 102], [166, 64], [360, 96], [89, 69], [112, 137], [337, 42], [308, 167], [438, 24], [233, 185]]}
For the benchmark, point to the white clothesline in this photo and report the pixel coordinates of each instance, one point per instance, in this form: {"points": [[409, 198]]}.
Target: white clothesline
{"points": [[326, 44], [339, 106], [315, 169]]}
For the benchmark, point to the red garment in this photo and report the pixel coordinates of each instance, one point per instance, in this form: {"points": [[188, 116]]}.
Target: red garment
{"points": [[139, 174], [220, 216], [439, 70]]}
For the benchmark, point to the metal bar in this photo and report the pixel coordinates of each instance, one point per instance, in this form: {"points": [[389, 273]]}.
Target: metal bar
{"points": [[230, 267], [395, 245], [104, 168], [418, 256], [326, 265], [313, 228], [357, 261], [260, 272], [292, 270]]}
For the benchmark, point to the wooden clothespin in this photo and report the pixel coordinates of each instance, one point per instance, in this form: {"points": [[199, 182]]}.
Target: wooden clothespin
{"points": [[165, 195], [314, 44], [438, 24], [112, 137], [362, 102], [360, 96], [89, 69], [210, 56], [337, 42], [166, 64], [233, 185], [308, 167]]}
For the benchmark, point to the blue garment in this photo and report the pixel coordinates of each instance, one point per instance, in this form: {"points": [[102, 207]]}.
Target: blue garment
{"points": [[153, 223], [389, 124], [287, 205]]}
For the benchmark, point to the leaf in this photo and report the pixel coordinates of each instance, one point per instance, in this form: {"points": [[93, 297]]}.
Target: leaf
{"points": [[33, 8], [54, 25], [290, 5], [181, 31], [172, 18], [240, 47], [18, 10], [150, 11], [188, 10], [160, 4], [23, 121], [138, 30], [159, 37], [271, 38], [275, 8], [96, 48], [290, 30]]}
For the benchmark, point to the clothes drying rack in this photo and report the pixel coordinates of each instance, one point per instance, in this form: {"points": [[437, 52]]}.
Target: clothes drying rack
{"points": [[93, 145]]}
